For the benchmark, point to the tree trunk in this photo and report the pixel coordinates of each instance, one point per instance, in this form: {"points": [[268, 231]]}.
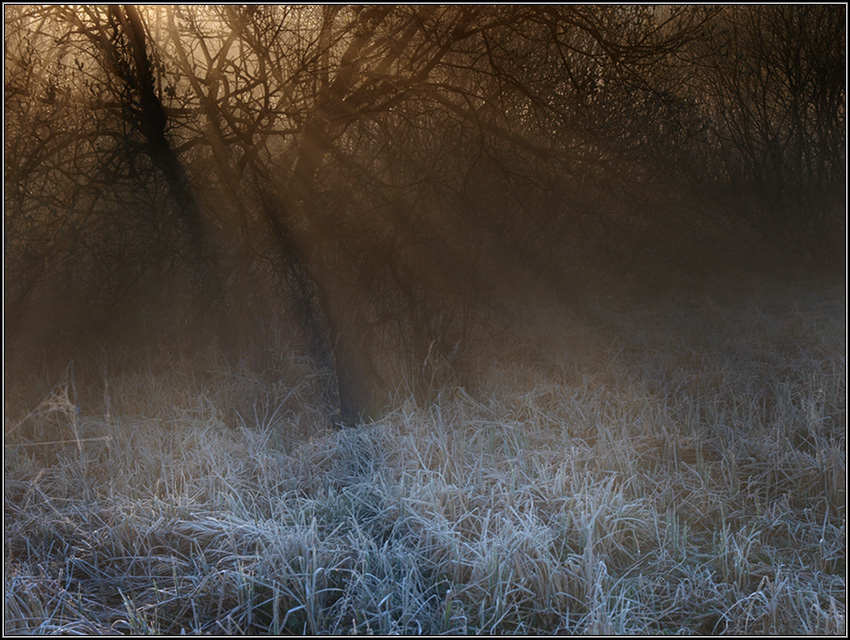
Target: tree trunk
{"points": [[153, 123], [359, 384]]}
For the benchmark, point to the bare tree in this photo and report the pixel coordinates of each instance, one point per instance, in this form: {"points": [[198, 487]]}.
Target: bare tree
{"points": [[392, 174]]}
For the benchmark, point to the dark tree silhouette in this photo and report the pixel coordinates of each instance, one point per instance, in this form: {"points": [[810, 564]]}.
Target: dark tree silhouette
{"points": [[396, 179]]}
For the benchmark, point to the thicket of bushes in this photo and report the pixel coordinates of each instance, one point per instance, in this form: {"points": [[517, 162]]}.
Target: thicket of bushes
{"points": [[386, 180]]}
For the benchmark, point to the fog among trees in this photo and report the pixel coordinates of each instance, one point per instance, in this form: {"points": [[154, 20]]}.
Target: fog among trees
{"points": [[388, 183]]}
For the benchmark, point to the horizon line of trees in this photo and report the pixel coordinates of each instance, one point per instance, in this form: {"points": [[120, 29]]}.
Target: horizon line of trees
{"points": [[383, 175]]}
